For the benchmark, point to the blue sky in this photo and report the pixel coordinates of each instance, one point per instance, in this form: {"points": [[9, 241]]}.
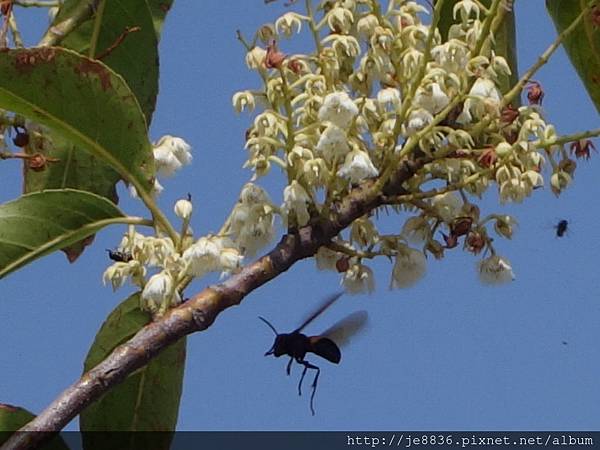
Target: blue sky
{"points": [[446, 354]]}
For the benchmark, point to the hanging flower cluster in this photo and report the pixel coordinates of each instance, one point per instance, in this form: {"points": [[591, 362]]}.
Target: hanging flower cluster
{"points": [[173, 264], [382, 87]]}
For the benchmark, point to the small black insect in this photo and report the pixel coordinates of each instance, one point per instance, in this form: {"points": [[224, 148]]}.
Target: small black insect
{"points": [[296, 344], [119, 256], [561, 227]]}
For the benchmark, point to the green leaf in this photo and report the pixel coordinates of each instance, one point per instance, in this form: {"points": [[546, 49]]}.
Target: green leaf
{"points": [[37, 224], [84, 101], [12, 418], [582, 45], [148, 400], [159, 9], [135, 57], [74, 169], [506, 41]]}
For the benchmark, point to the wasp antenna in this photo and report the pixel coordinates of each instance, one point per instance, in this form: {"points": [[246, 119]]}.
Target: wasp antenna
{"points": [[269, 324]]}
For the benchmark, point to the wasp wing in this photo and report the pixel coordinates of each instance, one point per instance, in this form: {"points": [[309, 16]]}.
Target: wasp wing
{"points": [[325, 348], [326, 304], [342, 331]]}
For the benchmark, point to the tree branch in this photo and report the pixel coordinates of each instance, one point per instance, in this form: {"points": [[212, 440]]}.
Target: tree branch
{"points": [[200, 312]]}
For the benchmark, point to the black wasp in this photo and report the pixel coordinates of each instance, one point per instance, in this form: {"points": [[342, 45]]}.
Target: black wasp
{"points": [[119, 256], [296, 344], [561, 227]]}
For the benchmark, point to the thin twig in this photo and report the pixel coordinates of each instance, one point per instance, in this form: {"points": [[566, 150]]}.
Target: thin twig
{"points": [[118, 41], [14, 29], [545, 57], [56, 33]]}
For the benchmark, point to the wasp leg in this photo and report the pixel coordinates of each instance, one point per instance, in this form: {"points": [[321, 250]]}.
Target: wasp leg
{"points": [[307, 366], [302, 377], [288, 369]]}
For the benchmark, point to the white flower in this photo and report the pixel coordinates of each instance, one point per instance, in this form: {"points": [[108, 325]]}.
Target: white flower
{"points": [[495, 270], [484, 97], [332, 142], [229, 260], [327, 259], [252, 220], [158, 252], [340, 20], [252, 194], [418, 119], [448, 205], [358, 279], [366, 25], [433, 98], [316, 172], [410, 267], [203, 256], [533, 178], [166, 162], [288, 22], [389, 99], [118, 273], [296, 200], [171, 153], [339, 109], [252, 227], [243, 100], [466, 7], [357, 167], [132, 242], [416, 230], [158, 288], [503, 149], [183, 209], [559, 181], [485, 89], [157, 188], [255, 58]]}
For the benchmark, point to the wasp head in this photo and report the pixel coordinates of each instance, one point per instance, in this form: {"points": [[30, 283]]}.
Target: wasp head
{"points": [[279, 347]]}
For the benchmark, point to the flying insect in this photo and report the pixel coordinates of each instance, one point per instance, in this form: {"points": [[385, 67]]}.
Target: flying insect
{"points": [[561, 227], [296, 344]]}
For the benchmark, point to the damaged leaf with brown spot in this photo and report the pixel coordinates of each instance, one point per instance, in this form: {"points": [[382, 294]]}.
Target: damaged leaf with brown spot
{"points": [[83, 101]]}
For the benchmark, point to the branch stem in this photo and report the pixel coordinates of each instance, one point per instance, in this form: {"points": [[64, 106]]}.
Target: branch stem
{"points": [[56, 33]]}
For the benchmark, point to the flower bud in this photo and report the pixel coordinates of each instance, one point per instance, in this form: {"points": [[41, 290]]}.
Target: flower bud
{"points": [[266, 33], [183, 209], [504, 226]]}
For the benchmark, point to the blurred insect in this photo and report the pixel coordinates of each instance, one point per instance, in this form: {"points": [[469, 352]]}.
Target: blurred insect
{"points": [[296, 344], [561, 227], [119, 256]]}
